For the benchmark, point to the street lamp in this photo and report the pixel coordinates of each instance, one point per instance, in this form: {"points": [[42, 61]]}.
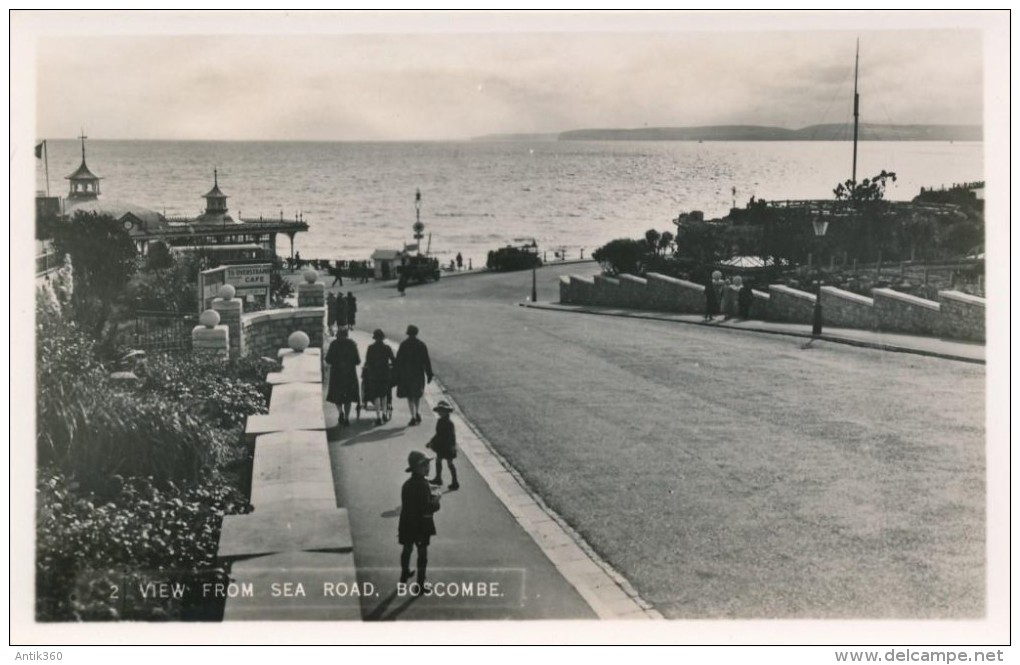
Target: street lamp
{"points": [[821, 224], [534, 266]]}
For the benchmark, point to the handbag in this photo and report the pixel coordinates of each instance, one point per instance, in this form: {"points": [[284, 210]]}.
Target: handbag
{"points": [[434, 504]]}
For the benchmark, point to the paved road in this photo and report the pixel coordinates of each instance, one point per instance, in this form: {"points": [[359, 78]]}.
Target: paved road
{"points": [[724, 473]]}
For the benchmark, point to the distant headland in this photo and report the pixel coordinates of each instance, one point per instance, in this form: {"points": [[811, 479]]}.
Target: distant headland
{"points": [[831, 132]]}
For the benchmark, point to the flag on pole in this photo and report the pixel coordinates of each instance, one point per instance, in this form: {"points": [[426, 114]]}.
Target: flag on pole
{"points": [[39, 149]]}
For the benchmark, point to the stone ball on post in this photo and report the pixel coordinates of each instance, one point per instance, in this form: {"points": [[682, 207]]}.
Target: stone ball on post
{"points": [[226, 291], [210, 318], [311, 275], [298, 341]]}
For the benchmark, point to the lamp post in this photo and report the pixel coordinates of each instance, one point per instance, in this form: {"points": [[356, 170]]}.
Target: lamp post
{"points": [[534, 266], [820, 222]]}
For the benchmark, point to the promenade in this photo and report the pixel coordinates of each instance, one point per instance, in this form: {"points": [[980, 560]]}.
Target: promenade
{"points": [[723, 473]]}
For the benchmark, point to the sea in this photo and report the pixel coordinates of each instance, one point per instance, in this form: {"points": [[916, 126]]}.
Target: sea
{"points": [[477, 196]]}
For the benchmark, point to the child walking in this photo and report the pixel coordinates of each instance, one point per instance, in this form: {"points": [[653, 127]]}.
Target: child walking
{"points": [[444, 444]]}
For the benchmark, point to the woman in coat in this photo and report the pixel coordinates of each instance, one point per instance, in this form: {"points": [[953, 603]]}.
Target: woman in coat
{"points": [[414, 370], [343, 360], [377, 376]]}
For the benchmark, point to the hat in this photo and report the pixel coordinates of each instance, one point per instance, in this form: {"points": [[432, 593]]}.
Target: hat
{"points": [[378, 334], [443, 406], [412, 330], [414, 458]]}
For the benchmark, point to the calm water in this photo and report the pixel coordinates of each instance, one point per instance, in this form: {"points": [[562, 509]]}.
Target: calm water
{"points": [[358, 197]]}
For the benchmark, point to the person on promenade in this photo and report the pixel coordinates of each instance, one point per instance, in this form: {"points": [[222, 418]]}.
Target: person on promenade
{"points": [[414, 370], [331, 312], [416, 526], [352, 310], [338, 277], [297, 261], [744, 298], [460, 261], [711, 303], [402, 283], [444, 444], [343, 360], [377, 375]]}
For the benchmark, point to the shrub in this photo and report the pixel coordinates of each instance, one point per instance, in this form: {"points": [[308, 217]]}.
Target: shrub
{"points": [[92, 553], [623, 255], [512, 258]]}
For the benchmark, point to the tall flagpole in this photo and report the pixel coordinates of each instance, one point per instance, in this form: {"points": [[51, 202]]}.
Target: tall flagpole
{"points": [[857, 56], [46, 162]]}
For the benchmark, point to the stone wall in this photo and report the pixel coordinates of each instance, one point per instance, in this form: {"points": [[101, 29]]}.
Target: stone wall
{"points": [[265, 332], [963, 315], [633, 292], [582, 290], [760, 305], [566, 295], [295, 533], [790, 305], [899, 312], [607, 291], [674, 295], [844, 309]]}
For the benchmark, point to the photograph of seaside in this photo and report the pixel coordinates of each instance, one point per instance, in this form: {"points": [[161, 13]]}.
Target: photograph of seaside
{"points": [[686, 314]]}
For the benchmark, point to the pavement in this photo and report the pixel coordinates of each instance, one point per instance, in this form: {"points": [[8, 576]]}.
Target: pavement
{"points": [[500, 552], [926, 346]]}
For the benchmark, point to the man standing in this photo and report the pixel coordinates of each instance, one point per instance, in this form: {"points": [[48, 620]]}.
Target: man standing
{"points": [[414, 370], [416, 526]]}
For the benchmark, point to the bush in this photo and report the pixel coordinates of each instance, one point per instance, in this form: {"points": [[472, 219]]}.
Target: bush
{"points": [[224, 392], [622, 255], [512, 258], [92, 553]]}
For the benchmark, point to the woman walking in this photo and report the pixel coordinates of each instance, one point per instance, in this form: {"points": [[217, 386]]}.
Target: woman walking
{"points": [[377, 376], [352, 310], [343, 360], [414, 370]]}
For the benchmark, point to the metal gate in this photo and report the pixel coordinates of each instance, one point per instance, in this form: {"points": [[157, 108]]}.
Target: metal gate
{"points": [[154, 330]]}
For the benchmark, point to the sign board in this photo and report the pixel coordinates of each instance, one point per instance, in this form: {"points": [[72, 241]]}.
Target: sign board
{"points": [[250, 281]]}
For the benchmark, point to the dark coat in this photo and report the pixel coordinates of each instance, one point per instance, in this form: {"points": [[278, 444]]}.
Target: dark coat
{"points": [[744, 300], [711, 301], [343, 360], [352, 308], [413, 368], [378, 371], [331, 309], [444, 443], [416, 524]]}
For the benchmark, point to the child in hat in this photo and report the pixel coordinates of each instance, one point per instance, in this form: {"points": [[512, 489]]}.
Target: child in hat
{"points": [[416, 526], [444, 444]]}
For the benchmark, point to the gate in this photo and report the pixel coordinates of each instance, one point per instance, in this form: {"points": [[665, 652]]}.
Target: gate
{"points": [[154, 330]]}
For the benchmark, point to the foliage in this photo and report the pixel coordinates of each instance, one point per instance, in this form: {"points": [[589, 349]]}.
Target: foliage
{"points": [[623, 255], [223, 392], [869, 189], [513, 258], [173, 288], [103, 260], [279, 288], [702, 242], [159, 257], [87, 545]]}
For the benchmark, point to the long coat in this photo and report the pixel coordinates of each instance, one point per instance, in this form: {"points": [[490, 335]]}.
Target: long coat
{"points": [[711, 300], [444, 443], [343, 360], [378, 370], [413, 368], [416, 524], [352, 309]]}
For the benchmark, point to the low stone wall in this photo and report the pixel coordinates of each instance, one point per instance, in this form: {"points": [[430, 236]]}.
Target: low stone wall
{"points": [[760, 305], [674, 295], [582, 290], [633, 292], [607, 291], [844, 309], [899, 312], [295, 533], [963, 315], [790, 305], [566, 295], [265, 332]]}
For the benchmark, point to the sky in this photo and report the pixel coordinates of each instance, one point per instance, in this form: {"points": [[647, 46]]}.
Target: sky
{"points": [[436, 76]]}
